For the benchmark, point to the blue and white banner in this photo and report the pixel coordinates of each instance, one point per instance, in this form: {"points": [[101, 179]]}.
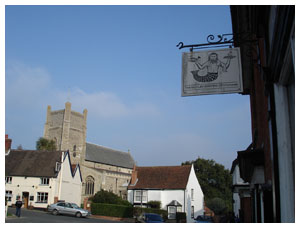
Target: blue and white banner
{"points": [[211, 72]]}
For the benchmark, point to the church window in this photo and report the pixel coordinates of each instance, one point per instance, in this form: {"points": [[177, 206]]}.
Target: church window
{"points": [[89, 185], [74, 148]]}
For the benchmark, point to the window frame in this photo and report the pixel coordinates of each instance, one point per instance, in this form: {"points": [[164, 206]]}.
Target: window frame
{"points": [[42, 197], [8, 195], [140, 193], [192, 194], [89, 186], [45, 181], [8, 180]]}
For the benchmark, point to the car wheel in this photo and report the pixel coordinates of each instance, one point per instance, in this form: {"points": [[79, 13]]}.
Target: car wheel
{"points": [[55, 212], [78, 215]]}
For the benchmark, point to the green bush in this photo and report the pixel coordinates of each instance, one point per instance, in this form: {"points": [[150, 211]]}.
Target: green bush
{"points": [[108, 198], [113, 210], [154, 204]]}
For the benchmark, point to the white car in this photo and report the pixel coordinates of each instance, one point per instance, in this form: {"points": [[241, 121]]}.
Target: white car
{"points": [[68, 209]]}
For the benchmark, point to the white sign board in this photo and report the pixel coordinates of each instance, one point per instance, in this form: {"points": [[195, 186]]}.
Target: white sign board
{"points": [[211, 72]]}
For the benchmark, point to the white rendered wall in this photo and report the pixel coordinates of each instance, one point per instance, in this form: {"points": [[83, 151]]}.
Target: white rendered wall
{"points": [[71, 187], [32, 186], [285, 159], [236, 177], [198, 201], [236, 204]]}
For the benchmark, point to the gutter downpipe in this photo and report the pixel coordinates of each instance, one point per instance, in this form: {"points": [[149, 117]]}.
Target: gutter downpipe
{"points": [[184, 200]]}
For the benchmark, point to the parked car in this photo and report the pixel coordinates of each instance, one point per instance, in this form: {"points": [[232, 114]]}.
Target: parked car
{"points": [[67, 209], [203, 219], [150, 218]]}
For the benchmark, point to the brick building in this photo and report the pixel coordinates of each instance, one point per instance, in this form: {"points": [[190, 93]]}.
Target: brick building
{"points": [[266, 37]]}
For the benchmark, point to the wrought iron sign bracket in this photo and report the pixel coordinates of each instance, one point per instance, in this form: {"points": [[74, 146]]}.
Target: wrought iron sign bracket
{"points": [[224, 40]]}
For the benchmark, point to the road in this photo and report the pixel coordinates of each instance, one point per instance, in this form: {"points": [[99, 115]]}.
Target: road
{"points": [[34, 216]]}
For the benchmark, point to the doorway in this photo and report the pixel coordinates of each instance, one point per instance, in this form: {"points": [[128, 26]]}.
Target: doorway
{"points": [[25, 198]]}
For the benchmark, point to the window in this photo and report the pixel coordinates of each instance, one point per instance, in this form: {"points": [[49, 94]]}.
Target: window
{"points": [[193, 212], [44, 181], [42, 197], [8, 180], [171, 212], [139, 194], [8, 195], [179, 209], [89, 185], [192, 194]]}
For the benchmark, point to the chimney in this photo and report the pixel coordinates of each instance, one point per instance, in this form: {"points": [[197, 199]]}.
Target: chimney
{"points": [[7, 144], [134, 176]]}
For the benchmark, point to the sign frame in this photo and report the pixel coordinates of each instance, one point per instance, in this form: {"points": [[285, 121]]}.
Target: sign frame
{"points": [[217, 71]]}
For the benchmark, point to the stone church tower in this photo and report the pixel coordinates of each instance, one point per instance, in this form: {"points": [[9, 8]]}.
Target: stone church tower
{"points": [[101, 167], [68, 129]]}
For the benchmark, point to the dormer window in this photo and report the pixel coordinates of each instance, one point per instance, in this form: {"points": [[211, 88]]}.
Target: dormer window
{"points": [[8, 180], [44, 181]]}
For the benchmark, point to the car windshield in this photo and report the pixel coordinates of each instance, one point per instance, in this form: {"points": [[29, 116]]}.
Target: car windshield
{"points": [[74, 205], [154, 217]]}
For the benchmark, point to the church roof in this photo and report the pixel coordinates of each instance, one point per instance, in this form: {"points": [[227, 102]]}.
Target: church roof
{"points": [[162, 177], [104, 155], [32, 163]]}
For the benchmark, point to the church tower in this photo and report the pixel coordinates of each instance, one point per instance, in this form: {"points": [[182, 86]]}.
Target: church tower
{"points": [[68, 129]]}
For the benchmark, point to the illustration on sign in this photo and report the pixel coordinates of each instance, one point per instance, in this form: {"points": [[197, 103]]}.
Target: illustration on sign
{"points": [[211, 72]]}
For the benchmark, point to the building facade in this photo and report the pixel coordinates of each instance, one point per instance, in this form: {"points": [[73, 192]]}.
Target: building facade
{"points": [[241, 195], [101, 167], [41, 178], [266, 37], [176, 187]]}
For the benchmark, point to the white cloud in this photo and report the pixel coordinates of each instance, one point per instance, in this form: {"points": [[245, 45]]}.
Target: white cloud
{"points": [[26, 85], [30, 87]]}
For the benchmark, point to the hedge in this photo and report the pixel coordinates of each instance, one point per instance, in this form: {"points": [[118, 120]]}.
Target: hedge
{"points": [[111, 210]]}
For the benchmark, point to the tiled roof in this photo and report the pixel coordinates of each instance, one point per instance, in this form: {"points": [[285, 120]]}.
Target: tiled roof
{"points": [[32, 163], [104, 155], [162, 177]]}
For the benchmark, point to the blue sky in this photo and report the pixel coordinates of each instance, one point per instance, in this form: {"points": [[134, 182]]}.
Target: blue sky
{"points": [[122, 64]]}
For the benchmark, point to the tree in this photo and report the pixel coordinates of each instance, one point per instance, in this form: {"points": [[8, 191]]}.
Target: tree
{"points": [[217, 205], [214, 180], [45, 144], [108, 197]]}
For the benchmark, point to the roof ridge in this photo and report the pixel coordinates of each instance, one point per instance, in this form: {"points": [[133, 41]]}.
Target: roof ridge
{"points": [[164, 166], [108, 148]]}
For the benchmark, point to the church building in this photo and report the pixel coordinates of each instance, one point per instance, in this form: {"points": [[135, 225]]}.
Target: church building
{"points": [[101, 167]]}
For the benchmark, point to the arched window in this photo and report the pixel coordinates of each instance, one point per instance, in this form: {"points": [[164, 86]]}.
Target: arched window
{"points": [[89, 185]]}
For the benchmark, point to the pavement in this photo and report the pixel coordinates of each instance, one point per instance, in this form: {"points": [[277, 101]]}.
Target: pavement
{"points": [[38, 216]]}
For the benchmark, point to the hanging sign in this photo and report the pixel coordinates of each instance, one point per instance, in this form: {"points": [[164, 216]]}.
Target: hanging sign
{"points": [[211, 72]]}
